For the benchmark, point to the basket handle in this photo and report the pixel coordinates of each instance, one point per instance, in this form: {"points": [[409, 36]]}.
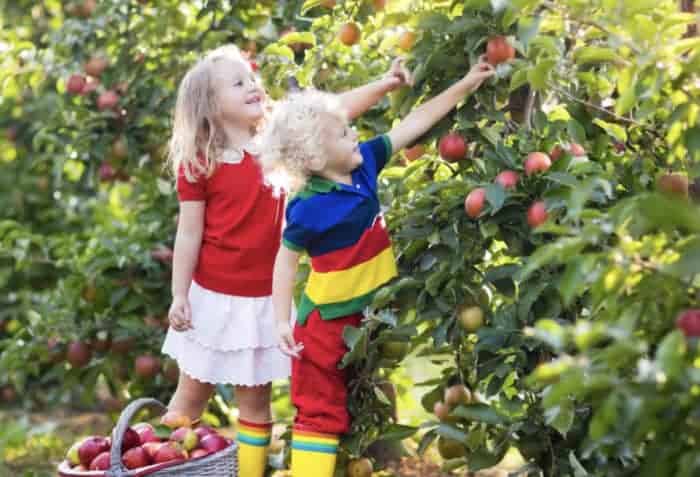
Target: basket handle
{"points": [[116, 467]]}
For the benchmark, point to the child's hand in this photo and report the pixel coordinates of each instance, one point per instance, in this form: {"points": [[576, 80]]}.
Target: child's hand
{"points": [[180, 314], [286, 340], [398, 75], [479, 73]]}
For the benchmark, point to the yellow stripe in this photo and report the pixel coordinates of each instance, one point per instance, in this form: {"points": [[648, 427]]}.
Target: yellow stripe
{"points": [[316, 440], [343, 285]]}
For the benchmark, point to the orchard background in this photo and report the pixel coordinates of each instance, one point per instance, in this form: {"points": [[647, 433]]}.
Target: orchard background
{"points": [[561, 331]]}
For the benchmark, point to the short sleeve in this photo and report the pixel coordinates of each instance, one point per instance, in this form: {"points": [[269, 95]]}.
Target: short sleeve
{"points": [[296, 236], [191, 191], [376, 153]]}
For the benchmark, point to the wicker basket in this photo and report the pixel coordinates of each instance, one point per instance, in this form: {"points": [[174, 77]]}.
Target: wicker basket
{"points": [[220, 464]]}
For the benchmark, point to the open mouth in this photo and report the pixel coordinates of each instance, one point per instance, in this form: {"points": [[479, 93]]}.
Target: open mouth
{"points": [[257, 99]]}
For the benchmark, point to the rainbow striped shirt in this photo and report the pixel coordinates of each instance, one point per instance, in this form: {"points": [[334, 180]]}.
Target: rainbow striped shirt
{"points": [[341, 227]]}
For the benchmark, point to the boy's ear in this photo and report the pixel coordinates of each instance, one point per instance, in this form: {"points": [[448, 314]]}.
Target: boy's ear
{"points": [[315, 164]]}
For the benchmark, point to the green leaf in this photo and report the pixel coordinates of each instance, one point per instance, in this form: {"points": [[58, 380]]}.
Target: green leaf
{"points": [[576, 131], [594, 54], [482, 459], [397, 432], [305, 37], [539, 75], [496, 196], [560, 417], [480, 413], [671, 354], [309, 4], [614, 130], [579, 470], [452, 432], [519, 78]]}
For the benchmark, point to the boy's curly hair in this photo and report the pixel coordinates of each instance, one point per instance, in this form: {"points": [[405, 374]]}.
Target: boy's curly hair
{"points": [[292, 141]]}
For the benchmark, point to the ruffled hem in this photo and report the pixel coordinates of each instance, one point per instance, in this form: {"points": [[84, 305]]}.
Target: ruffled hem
{"points": [[247, 367]]}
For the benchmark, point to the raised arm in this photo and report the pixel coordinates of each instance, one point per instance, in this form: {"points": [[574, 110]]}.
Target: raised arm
{"points": [[421, 119], [359, 100]]}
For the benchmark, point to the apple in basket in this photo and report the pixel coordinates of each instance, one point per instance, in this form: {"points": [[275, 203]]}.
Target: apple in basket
{"points": [[168, 452], [213, 443], [135, 458], [151, 448], [202, 431], [185, 436], [130, 440], [101, 462], [198, 453], [91, 448], [146, 432]]}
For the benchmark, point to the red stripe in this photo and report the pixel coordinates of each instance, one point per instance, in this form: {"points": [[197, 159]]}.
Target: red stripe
{"points": [[265, 426], [373, 241], [302, 432]]}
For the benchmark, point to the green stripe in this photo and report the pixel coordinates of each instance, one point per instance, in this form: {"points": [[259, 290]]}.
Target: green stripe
{"points": [[314, 447], [331, 311], [253, 441], [388, 145], [292, 246]]}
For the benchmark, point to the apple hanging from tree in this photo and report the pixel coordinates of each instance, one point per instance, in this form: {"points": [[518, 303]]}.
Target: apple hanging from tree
{"points": [[689, 323], [75, 84], [537, 162], [79, 355], [441, 411], [474, 203], [452, 147], [498, 50], [457, 394], [507, 179], [471, 318], [107, 100], [407, 40], [147, 366], [96, 66], [107, 172], [537, 214], [673, 185], [349, 34]]}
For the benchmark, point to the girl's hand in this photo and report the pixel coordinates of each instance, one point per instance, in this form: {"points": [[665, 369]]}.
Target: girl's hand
{"points": [[398, 75], [180, 314], [479, 73], [286, 340]]}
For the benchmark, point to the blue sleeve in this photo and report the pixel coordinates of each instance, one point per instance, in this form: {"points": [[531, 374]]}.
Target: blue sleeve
{"points": [[296, 236], [376, 153]]}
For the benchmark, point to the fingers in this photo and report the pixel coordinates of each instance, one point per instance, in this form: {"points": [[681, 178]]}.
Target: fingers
{"points": [[289, 347], [180, 318], [188, 315]]}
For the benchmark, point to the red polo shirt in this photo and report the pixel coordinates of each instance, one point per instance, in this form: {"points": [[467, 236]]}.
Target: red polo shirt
{"points": [[242, 228]]}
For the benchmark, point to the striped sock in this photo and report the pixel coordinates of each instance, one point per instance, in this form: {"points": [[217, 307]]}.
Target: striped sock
{"points": [[313, 454], [253, 440]]}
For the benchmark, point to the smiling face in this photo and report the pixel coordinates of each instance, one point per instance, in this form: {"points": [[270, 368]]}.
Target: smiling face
{"points": [[341, 149], [239, 96]]}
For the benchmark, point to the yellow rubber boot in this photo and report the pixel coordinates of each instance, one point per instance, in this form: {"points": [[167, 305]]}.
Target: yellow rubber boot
{"points": [[253, 441], [313, 454]]}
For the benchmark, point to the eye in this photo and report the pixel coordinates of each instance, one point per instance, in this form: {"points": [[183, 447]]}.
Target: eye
{"points": [[238, 83]]}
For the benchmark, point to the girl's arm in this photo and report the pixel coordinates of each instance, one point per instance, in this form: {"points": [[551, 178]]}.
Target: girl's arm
{"points": [[359, 100], [421, 119], [283, 279], [188, 241]]}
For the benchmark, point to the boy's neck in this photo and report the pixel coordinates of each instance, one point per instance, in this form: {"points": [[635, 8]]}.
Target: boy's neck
{"points": [[342, 178]]}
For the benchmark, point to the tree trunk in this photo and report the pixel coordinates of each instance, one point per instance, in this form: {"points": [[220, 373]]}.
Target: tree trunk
{"points": [[688, 6]]}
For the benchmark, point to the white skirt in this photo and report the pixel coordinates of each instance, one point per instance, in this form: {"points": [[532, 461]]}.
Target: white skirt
{"points": [[234, 340]]}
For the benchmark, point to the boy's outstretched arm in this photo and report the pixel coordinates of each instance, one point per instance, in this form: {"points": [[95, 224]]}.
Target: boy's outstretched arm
{"points": [[283, 280], [421, 119], [359, 100]]}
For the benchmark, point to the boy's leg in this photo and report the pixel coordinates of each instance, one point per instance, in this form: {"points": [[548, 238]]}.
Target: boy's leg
{"points": [[319, 392]]}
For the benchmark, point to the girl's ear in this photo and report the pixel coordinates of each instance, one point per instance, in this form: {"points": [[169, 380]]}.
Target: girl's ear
{"points": [[315, 164]]}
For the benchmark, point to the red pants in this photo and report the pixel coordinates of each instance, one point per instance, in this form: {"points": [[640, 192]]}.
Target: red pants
{"points": [[319, 388]]}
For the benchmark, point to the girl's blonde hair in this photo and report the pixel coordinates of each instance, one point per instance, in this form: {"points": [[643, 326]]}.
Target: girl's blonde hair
{"points": [[194, 130], [292, 141]]}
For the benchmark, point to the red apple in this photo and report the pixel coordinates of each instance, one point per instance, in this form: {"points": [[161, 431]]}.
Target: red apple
{"points": [[213, 443], [441, 411], [151, 448], [577, 150], [498, 50], [674, 185], [147, 366], [130, 440], [107, 100], [135, 458], [474, 203], [91, 448], [146, 433], [107, 172], [79, 355], [689, 323], [96, 66], [101, 462], [185, 436], [508, 179], [537, 162], [349, 34], [169, 452], [556, 153], [202, 431], [91, 85], [537, 214], [452, 147], [198, 453], [75, 84]]}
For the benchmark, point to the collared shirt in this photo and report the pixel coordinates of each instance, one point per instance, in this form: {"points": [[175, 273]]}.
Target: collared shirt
{"points": [[341, 228]]}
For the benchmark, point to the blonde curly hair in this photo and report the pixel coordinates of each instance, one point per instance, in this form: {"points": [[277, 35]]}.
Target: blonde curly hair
{"points": [[194, 130], [292, 141]]}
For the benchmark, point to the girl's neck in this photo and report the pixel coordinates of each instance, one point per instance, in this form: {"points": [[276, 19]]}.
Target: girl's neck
{"points": [[237, 136], [343, 178]]}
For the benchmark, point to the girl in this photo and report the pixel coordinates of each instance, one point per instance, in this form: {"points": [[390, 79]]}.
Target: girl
{"points": [[335, 218], [222, 323]]}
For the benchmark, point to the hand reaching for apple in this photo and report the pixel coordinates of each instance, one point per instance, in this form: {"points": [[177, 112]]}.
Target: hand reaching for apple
{"points": [[479, 73], [398, 75]]}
